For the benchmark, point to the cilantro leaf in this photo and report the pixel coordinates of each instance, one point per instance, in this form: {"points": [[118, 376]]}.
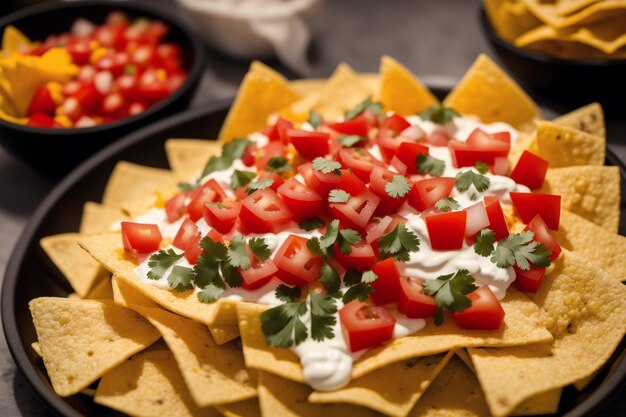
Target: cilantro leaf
{"points": [[231, 275], [350, 140], [439, 114], [313, 244], [241, 178], [278, 164], [206, 271], [338, 196], [311, 224], [473, 197], [346, 238], [328, 239], [236, 148], [482, 167], [426, 164], [237, 254], [450, 291], [329, 278], [352, 277], [463, 181], [398, 187], [359, 291], [259, 248], [216, 249], [160, 262], [287, 294], [260, 185], [484, 242], [315, 119], [210, 293], [326, 166], [366, 104], [399, 243], [323, 309], [369, 277], [216, 163], [283, 326], [185, 186], [181, 278], [520, 249], [447, 204]]}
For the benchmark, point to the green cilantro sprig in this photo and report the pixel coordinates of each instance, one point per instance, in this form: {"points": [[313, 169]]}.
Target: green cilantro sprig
{"points": [[338, 196], [450, 292], [463, 181], [399, 243], [230, 151], [315, 119], [426, 164], [367, 104], [398, 187], [260, 185], [520, 249], [484, 244], [311, 224], [241, 178], [439, 114], [323, 245], [278, 164], [349, 141], [326, 166], [359, 285], [447, 204]]}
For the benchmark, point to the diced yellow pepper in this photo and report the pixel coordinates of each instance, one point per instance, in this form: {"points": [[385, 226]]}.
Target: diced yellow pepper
{"points": [[63, 120]]}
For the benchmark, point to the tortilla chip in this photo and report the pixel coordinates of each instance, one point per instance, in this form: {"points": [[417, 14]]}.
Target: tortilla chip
{"points": [[187, 157], [102, 290], [140, 206], [130, 181], [14, 41], [36, 348], [98, 218], [223, 323], [586, 313], [342, 92], [149, 384], [81, 271], [401, 91], [589, 118], [310, 86], [597, 245], [489, 93], [248, 408], [393, 390], [592, 192], [509, 19], [455, 392], [263, 91], [280, 397], [564, 146], [552, 16], [81, 340], [521, 326]]}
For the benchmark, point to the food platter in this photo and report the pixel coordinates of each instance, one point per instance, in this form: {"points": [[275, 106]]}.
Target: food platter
{"points": [[30, 274]]}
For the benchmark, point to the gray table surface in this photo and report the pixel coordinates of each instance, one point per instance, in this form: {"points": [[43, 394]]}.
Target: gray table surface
{"points": [[430, 37]]}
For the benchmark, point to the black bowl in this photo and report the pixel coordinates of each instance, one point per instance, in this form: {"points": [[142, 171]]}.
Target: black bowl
{"points": [[57, 151], [568, 82]]}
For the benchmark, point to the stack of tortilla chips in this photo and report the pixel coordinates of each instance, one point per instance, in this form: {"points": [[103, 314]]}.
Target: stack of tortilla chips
{"points": [[147, 351], [571, 29]]}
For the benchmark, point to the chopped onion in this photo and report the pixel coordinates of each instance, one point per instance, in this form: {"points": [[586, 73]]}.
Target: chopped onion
{"points": [[477, 219], [413, 133]]}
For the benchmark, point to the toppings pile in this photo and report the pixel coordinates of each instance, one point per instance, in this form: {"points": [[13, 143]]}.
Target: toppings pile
{"points": [[325, 216]]}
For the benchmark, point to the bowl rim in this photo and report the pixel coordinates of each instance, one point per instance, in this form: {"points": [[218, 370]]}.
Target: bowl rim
{"points": [[537, 56], [193, 75]]}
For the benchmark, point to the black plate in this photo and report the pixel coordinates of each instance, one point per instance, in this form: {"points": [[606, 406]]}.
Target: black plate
{"points": [[30, 273]]}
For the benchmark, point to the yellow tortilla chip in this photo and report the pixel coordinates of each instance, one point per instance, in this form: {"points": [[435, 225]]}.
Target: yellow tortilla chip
{"points": [[248, 408], [263, 92], [36, 348], [187, 157], [489, 93], [563, 146], [393, 390], [14, 41], [130, 182], [149, 384], [589, 118], [80, 269], [102, 290], [310, 86], [342, 92], [594, 243], [521, 326], [81, 340], [401, 91], [552, 16], [586, 313], [280, 397], [455, 392], [98, 218], [592, 192], [127, 296], [509, 18]]}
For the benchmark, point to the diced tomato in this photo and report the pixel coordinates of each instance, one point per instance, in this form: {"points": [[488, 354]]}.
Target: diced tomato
{"points": [[113, 104], [269, 151], [412, 302], [264, 211], [465, 155], [79, 50], [41, 102], [407, 153], [389, 138], [530, 280], [379, 179], [140, 237], [279, 130], [483, 141], [136, 107], [249, 156], [438, 137], [365, 326], [259, 273], [111, 35], [175, 207], [88, 96], [358, 126], [309, 145], [303, 202], [361, 257], [528, 205], [156, 31], [446, 230], [153, 92], [485, 313], [221, 216], [72, 108], [317, 180], [358, 211], [530, 170], [543, 236], [41, 120], [377, 229], [359, 161], [127, 86], [350, 183], [170, 56], [425, 193], [188, 230], [206, 193], [504, 137], [387, 285], [144, 56], [497, 222], [193, 249], [477, 219], [295, 262], [277, 180]]}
